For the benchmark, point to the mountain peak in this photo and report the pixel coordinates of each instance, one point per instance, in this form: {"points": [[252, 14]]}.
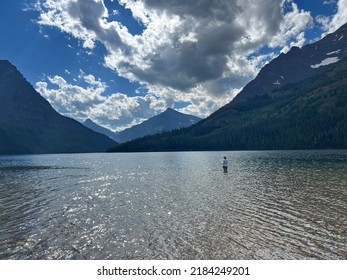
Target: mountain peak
{"points": [[88, 121], [169, 111], [168, 120], [100, 129], [29, 124], [297, 101]]}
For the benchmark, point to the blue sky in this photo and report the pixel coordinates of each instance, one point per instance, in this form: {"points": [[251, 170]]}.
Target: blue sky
{"points": [[121, 62]]}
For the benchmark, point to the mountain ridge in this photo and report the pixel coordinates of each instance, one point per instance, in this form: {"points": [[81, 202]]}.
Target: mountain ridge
{"points": [[307, 114], [298, 64], [164, 121], [29, 124], [168, 120], [100, 129]]}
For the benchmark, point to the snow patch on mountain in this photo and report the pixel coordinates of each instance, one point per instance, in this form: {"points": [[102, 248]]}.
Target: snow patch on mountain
{"points": [[334, 52], [326, 61]]}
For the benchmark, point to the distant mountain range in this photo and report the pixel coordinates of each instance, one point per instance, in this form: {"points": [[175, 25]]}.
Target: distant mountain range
{"points": [[297, 101], [29, 124], [166, 121]]}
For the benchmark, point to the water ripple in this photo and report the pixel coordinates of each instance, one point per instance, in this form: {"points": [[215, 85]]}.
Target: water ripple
{"points": [[271, 205]]}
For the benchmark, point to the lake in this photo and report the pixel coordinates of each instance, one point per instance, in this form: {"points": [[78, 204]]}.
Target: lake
{"points": [[270, 205]]}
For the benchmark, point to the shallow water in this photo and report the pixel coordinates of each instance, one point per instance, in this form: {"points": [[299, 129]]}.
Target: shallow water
{"points": [[271, 205]]}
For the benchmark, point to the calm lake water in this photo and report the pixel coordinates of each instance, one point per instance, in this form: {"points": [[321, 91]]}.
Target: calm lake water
{"points": [[271, 205]]}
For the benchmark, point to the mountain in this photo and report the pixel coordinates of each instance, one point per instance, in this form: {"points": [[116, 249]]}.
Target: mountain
{"points": [[166, 121], [298, 64], [29, 124], [308, 112], [100, 129]]}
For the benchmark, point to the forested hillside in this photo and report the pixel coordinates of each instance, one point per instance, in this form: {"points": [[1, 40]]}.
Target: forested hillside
{"points": [[311, 114]]}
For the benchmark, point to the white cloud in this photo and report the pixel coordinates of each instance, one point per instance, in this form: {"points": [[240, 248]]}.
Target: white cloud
{"points": [[341, 16], [292, 29], [114, 111], [70, 100], [194, 52], [331, 24]]}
